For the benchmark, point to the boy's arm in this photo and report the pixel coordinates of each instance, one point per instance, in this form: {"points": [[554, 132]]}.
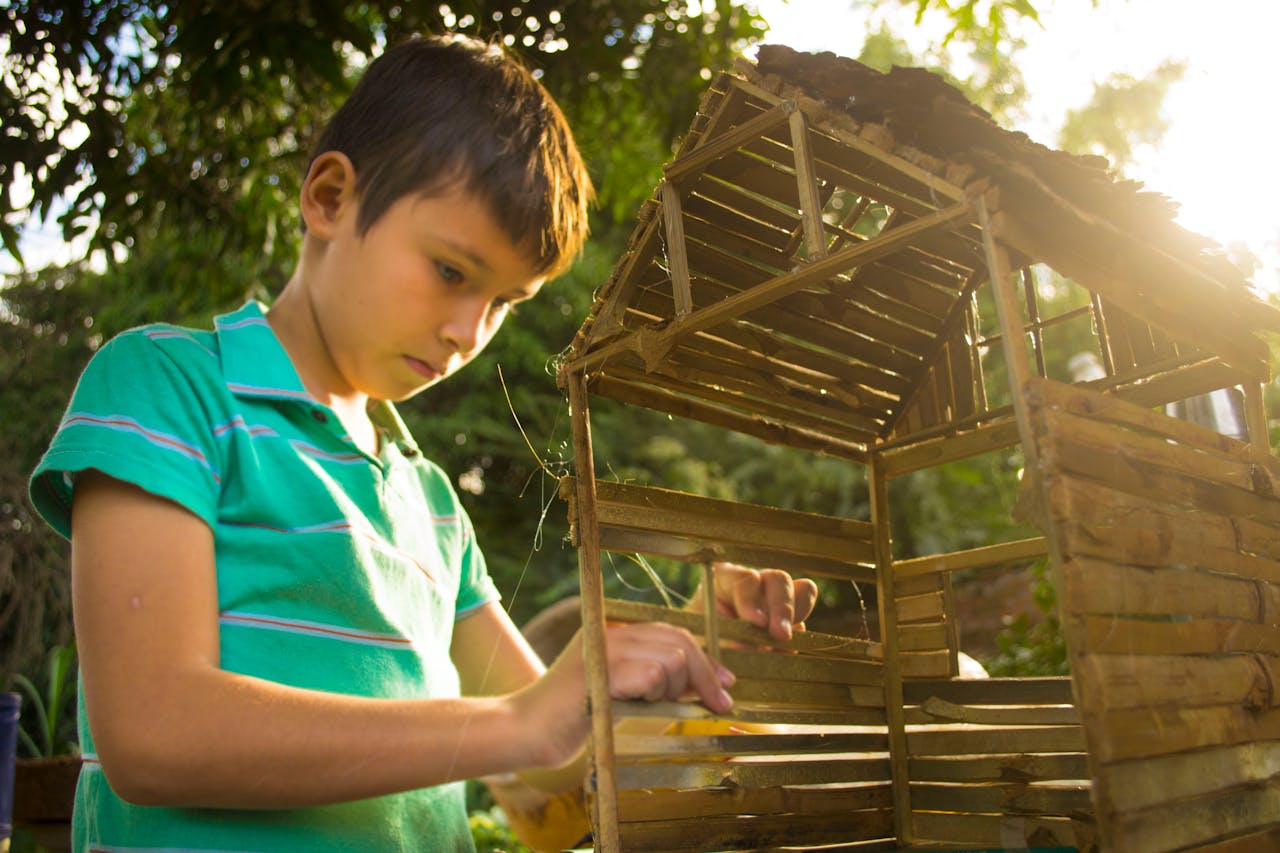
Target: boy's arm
{"points": [[172, 728]]}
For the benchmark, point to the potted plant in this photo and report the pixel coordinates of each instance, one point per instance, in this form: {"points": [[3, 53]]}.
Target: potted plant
{"points": [[45, 773]]}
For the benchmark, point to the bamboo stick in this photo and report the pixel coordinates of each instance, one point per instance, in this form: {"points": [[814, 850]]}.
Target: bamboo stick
{"points": [[1121, 636], [886, 598], [763, 714], [989, 556], [807, 182], [1035, 326], [1185, 593], [1255, 416], [605, 323], [756, 832], [922, 450], [935, 710], [711, 622], [999, 768], [1050, 690], [811, 642], [922, 637], [933, 663], [1133, 733], [1015, 346], [677, 254], [1138, 785], [1203, 821], [1004, 799], [748, 772], [1173, 681], [796, 666], [953, 741], [603, 780], [636, 748], [969, 831], [1104, 338], [713, 148], [664, 805]]}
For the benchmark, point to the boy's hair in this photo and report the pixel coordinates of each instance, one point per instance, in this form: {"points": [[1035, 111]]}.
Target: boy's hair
{"points": [[436, 110]]}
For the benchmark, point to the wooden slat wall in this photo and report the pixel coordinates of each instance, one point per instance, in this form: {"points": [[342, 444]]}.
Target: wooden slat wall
{"points": [[1169, 544], [997, 763], [926, 645], [695, 529], [801, 760]]}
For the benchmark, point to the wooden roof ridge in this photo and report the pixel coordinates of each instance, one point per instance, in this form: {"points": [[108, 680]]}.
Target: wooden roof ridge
{"points": [[924, 111]]}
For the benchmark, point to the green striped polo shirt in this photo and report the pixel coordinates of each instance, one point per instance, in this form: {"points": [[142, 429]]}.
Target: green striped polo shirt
{"points": [[336, 570]]}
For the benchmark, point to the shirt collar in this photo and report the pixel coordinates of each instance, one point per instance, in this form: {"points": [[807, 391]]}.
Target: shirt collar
{"points": [[255, 364]]}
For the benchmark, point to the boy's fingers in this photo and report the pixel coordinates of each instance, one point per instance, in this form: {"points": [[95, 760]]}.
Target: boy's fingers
{"points": [[739, 595], [658, 662], [806, 598], [779, 596]]}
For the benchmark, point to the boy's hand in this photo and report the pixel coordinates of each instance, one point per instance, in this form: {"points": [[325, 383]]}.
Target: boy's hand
{"points": [[768, 598], [648, 661]]}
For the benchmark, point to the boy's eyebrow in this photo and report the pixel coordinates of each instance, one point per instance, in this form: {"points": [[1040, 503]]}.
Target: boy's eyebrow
{"points": [[467, 252]]}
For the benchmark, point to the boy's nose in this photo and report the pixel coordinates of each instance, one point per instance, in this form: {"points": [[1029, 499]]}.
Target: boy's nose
{"points": [[465, 328]]}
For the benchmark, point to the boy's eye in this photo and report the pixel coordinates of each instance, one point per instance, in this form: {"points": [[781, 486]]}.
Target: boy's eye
{"points": [[450, 275], [502, 305]]}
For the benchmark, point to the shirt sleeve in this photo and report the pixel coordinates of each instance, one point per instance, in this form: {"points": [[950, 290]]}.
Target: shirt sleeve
{"points": [[476, 587], [136, 415]]}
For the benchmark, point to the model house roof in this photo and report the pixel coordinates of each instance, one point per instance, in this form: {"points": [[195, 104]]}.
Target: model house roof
{"points": [[810, 269]]}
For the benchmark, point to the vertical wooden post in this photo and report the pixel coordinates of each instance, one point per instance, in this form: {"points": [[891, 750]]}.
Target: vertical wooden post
{"points": [[973, 330], [886, 601], [1011, 331], [952, 626], [677, 252], [1104, 340], [1255, 418], [711, 631], [1033, 314], [1019, 367], [603, 773], [807, 178]]}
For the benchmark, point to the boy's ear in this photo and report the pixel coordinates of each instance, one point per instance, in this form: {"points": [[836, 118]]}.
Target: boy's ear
{"points": [[328, 193]]}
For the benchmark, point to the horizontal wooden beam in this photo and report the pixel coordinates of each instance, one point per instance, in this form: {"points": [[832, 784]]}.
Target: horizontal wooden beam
{"points": [[990, 556]]}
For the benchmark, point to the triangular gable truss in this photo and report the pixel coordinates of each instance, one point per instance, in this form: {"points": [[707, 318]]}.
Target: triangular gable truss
{"points": [[797, 267]]}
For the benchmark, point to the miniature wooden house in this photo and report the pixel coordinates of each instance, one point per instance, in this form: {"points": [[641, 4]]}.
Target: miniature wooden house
{"points": [[809, 272]]}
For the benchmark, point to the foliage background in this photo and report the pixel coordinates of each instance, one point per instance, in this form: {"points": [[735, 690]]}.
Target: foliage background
{"points": [[170, 140]]}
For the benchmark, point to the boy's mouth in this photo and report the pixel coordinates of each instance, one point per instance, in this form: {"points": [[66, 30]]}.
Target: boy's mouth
{"points": [[423, 369]]}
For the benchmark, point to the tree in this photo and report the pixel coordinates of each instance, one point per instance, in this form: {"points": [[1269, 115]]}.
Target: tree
{"points": [[1125, 111], [173, 137]]}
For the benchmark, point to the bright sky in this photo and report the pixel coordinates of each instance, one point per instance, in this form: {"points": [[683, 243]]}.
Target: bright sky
{"points": [[1220, 159]]}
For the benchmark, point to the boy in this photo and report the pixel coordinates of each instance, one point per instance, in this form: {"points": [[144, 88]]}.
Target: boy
{"points": [[288, 638]]}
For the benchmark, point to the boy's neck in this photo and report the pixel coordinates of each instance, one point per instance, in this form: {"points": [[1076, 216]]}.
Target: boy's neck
{"points": [[294, 324]]}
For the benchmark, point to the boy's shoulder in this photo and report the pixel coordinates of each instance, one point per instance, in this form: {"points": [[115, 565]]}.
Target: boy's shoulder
{"points": [[192, 349], [167, 338]]}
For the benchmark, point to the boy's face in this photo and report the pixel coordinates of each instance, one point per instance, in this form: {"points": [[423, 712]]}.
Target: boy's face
{"points": [[415, 297]]}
